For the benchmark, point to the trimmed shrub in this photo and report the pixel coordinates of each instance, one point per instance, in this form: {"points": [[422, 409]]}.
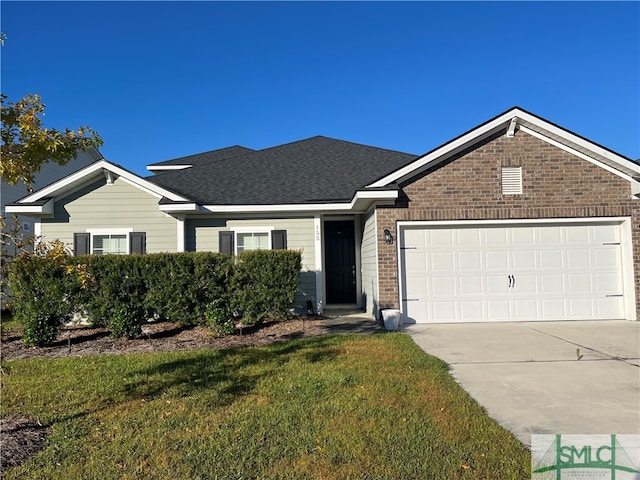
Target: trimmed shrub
{"points": [[43, 287], [122, 291], [264, 284], [220, 317], [181, 285]]}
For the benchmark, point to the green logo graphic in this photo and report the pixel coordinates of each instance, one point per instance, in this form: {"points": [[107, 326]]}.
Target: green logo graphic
{"points": [[581, 459]]}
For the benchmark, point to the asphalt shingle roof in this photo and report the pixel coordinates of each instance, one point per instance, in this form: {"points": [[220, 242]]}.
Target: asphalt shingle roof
{"points": [[315, 170], [206, 157]]}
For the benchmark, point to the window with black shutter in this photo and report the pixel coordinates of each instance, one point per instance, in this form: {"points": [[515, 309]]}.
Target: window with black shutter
{"points": [[226, 243], [138, 242], [81, 244], [278, 240]]}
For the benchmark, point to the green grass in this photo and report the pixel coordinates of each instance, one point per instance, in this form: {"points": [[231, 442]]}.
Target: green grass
{"points": [[332, 407]]}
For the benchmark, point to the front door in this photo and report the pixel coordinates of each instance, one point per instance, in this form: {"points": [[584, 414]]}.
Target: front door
{"points": [[340, 261]]}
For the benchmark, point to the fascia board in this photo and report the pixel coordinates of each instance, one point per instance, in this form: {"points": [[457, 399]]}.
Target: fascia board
{"points": [[450, 148], [45, 209], [179, 208], [91, 171], [357, 205]]}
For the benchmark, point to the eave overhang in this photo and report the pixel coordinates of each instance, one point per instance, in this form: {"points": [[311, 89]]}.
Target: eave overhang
{"points": [[43, 207], [360, 203]]}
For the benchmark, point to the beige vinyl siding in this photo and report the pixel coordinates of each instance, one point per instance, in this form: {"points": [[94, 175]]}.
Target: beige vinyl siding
{"points": [[369, 262], [120, 205], [202, 236]]}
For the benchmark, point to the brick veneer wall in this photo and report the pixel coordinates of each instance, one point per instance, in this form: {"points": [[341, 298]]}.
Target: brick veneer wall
{"points": [[555, 184]]}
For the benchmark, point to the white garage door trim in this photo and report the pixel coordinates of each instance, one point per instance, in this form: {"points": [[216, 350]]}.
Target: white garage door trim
{"points": [[624, 224]]}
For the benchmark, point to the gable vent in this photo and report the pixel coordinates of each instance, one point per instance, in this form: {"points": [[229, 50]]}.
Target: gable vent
{"points": [[511, 180]]}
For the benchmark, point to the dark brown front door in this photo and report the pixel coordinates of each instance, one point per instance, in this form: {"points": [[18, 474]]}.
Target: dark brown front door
{"points": [[340, 261]]}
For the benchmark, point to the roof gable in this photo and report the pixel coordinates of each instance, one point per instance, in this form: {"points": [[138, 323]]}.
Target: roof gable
{"points": [[510, 122], [84, 177]]}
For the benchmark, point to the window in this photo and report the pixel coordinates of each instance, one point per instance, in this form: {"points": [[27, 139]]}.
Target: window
{"points": [[232, 242], [252, 241], [512, 180], [104, 244], [109, 241]]}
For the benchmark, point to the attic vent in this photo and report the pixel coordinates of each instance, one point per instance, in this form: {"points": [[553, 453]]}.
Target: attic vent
{"points": [[512, 180]]}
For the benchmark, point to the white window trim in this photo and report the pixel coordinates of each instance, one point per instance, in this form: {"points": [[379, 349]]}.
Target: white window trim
{"points": [[110, 231], [237, 230]]}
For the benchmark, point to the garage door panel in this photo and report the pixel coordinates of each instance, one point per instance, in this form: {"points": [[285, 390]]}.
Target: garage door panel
{"points": [[553, 309], [443, 285], [467, 274], [444, 310], [606, 258], [550, 259], [523, 259], [469, 261], [416, 237], [470, 285], [608, 307], [471, 310], [552, 284], [549, 236], [525, 284], [522, 236], [610, 283], [579, 283], [496, 260], [495, 237], [579, 258], [497, 283], [498, 310], [444, 261], [440, 238], [525, 309], [576, 235], [580, 308]]}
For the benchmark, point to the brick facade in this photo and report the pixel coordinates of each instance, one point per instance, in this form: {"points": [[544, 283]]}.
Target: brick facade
{"points": [[556, 184]]}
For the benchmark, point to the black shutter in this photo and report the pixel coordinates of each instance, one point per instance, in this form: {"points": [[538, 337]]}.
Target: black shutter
{"points": [[138, 242], [226, 243], [278, 240], [81, 243]]}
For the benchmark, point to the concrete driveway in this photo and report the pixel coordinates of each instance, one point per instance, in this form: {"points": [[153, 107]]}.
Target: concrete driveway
{"points": [[545, 377]]}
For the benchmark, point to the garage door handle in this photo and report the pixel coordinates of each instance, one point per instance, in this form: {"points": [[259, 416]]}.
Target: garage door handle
{"points": [[410, 299], [510, 281]]}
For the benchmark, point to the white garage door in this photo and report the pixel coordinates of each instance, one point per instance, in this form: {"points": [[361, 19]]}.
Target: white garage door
{"points": [[517, 273]]}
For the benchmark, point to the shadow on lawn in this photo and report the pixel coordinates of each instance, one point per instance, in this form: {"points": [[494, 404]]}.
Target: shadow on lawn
{"points": [[229, 374]]}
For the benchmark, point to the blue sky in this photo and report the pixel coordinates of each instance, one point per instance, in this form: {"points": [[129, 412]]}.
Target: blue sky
{"points": [[160, 80]]}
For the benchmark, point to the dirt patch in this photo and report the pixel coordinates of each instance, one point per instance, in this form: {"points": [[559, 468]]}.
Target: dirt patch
{"points": [[158, 337], [22, 437]]}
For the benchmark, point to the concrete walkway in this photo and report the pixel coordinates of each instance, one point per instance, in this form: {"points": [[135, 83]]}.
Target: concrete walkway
{"points": [[545, 377], [350, 321]]}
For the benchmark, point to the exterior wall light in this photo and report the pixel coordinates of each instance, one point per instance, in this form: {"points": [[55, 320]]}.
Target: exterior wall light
{"points": [[388, 238]]}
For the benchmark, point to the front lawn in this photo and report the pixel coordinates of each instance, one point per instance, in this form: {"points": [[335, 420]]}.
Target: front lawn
{"points": [[329, 407]]}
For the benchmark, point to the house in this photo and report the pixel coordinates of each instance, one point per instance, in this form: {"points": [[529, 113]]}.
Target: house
{"points": [[516, 219], [48, 173]]}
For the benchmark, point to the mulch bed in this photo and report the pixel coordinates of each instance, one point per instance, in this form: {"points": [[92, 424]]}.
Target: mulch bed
{"points": [[22, 437]]}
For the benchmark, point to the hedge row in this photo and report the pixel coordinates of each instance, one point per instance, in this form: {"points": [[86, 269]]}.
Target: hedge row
{"points": [[121, 292]]}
